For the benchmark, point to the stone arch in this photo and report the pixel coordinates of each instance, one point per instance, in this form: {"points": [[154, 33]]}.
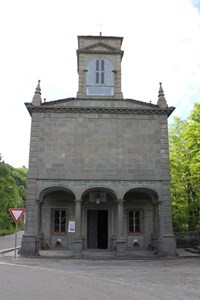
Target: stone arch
{"points": [[142, 214], [55, 189], [99, 205], [148, 192], [56, 208], [100, 189]]}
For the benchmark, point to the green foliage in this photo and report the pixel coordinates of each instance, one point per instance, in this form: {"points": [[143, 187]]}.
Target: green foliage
{"points": [[12, 193], [20, 177], [184, 137]]}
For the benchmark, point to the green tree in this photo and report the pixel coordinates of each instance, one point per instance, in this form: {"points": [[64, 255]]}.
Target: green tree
{"points": [[185, 171], [12, 193], [20, 177], [192, 138], [9, 197]]}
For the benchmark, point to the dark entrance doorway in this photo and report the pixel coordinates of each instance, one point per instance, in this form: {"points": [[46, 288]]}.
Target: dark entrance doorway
{"points": [[97, 229]]}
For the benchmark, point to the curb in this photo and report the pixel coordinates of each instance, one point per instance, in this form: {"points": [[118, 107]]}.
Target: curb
{"points": [[9, 250]]}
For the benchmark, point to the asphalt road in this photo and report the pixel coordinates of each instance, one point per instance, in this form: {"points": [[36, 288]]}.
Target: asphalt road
{"points": [[8, 241], [90, 279], [81, 279]]}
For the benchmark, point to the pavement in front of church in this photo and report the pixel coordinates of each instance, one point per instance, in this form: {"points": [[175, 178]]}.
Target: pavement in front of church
{"points": [[104, 254]]}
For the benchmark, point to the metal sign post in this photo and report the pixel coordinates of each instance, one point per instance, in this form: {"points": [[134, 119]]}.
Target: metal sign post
{"points": [[15, 240], [16, 214]]}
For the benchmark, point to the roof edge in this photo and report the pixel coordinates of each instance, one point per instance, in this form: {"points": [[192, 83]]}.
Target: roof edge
{"points": [[120, 110]]}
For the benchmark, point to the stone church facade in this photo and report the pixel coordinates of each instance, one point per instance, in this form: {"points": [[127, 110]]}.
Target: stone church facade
{"points": [[99, 164]]}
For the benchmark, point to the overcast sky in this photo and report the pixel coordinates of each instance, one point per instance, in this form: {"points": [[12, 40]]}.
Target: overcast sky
{"points": [[39, 41]]}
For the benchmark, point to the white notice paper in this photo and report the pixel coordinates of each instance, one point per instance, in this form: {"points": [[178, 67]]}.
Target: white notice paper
{"points": [[71, 227]]}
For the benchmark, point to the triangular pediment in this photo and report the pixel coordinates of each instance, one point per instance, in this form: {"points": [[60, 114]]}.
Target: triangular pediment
{"points": [[100, 47], [104, 103]]}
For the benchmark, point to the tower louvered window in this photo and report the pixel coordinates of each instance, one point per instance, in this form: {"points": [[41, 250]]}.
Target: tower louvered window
{"points": [[99, 78]]}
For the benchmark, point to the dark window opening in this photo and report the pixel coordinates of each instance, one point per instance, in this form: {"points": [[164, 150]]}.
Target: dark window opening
{"points": [[134, 221], [59, 221], [100, 71]]}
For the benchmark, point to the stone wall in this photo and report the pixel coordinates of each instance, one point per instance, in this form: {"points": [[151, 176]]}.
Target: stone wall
{"points": [[100, 146], [187, 239]]}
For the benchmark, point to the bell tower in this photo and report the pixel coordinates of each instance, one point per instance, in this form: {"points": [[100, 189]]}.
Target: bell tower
{"points": [[99, 67]]}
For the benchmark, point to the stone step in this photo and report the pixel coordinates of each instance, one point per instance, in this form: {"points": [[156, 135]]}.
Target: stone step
{"points": [[197, 248], [192, 250]]}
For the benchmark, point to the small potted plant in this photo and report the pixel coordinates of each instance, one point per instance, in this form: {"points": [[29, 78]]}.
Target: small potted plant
{"points": [[135, 243], [45, 246]]}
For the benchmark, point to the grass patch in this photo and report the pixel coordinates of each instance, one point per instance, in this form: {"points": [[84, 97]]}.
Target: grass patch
{"points": [[9, 231]]}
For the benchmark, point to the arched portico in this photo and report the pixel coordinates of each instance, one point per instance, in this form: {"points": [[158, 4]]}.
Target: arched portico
{"points": [[56, 211], [99, 205], [98, 218], [141, 218]]}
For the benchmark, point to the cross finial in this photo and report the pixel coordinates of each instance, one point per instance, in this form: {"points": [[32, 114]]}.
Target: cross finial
{"points": [[100, 29]]}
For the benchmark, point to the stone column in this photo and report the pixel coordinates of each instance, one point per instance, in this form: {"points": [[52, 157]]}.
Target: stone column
{"points": [[29, 244], [157, 228], [78, 228], [117, 84], [120, 236], [167, 245], [37, 225], [78, 218], [120, 218], [167, 238], [37, 218], [82, 83]]}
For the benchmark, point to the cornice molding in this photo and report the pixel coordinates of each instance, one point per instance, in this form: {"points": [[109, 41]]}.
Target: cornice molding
{"points": [[100, 51], [100, 110]]}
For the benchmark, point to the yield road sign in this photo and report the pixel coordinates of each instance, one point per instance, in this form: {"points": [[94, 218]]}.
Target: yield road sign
{"points": [[16, 213]]}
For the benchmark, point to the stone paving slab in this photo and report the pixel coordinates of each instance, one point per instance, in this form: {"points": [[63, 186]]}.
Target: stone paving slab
{"points": [[101, 254]]}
